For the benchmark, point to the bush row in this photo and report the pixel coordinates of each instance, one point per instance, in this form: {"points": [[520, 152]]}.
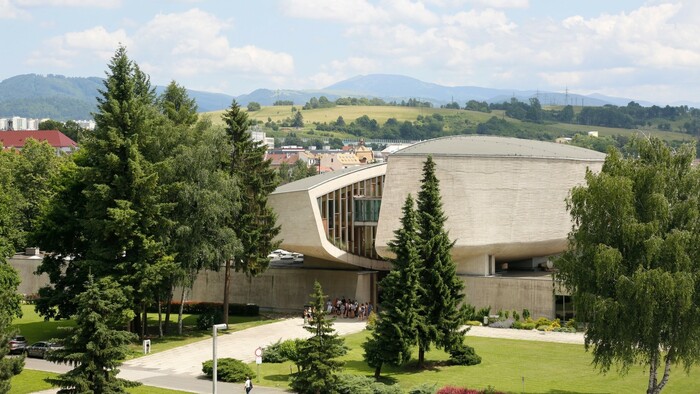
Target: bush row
{"points": [[196, 308]]}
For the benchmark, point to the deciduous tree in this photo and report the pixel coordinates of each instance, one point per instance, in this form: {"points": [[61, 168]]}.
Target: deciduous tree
{"points": [[633, 261]]}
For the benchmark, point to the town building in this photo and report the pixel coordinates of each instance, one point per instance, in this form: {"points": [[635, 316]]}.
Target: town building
{"points": [[17, 139]]}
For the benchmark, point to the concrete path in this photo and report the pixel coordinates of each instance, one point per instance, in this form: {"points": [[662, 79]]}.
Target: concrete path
{"points": [[181, 368]]}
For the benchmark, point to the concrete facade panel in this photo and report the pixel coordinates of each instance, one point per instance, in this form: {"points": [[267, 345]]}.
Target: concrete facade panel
{"points": [[509, 207], [511, 294], [282, 289], [26, 268]]}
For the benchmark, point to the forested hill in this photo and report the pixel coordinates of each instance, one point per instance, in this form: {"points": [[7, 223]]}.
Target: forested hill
{"points": [[64, 98]]}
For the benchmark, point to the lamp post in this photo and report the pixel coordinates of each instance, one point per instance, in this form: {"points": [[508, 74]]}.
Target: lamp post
{"points": [[214, 329]]}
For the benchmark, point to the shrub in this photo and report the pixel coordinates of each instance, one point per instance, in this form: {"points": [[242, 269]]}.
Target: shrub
{"points": [[544, 327], [526, 314], [483, 312], [196, 308], [543, 321], [473, 323], [273, 353], [565, 329], [372, 321], [358, 384], [228, 370], [208, 318], [457, 390], [571, 324], [464, 390], [425, 388], [516, 316], [470, 312], [521, 325], [463, 354]]}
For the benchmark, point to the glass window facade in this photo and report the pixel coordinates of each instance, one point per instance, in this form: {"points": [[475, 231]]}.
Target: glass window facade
{"points": [[350, 216]]}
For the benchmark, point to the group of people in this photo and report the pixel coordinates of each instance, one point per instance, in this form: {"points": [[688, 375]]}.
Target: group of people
{"points": [[349, 309], [342, 307]]}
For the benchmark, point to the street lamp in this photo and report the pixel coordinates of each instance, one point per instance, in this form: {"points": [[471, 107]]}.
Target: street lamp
{"points": [[214, 329]]}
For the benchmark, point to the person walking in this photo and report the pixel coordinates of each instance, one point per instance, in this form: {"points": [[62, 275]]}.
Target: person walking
{"points": [[248, 384]]}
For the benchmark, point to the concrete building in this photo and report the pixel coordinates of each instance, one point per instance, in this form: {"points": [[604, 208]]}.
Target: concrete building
{"points": [[505, 203]]}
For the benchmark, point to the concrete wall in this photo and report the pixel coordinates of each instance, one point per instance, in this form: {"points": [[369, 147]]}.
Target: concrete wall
{"points": [[534, 294], [26, 266], [283, 289], [508, 207]]}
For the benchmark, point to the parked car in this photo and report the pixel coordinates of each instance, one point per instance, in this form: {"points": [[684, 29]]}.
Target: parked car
{"points": [[40, 349], [17, 344]]}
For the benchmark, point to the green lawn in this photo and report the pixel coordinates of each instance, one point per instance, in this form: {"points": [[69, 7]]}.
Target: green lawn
{"points": [[30, 381], [545, 367], [35, 328]]}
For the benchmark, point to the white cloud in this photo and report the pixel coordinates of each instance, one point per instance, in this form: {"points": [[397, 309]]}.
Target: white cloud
{"points": [[345, 11], [70, 3], [194, 43], [9, 11], [338, 70], [66, 50], [407, 10], [489, 20]]}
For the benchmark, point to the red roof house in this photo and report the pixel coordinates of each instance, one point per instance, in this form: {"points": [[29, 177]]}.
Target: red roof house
{"points": [[17, 139]]}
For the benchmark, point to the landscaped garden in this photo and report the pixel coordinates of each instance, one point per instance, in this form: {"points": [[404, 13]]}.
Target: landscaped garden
{"points": [[507, 365]]}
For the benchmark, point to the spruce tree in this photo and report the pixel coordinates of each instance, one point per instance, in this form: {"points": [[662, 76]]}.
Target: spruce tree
{"points": [[255, 225], [96, 346], [395, 333], [318, 354], [111, 216], [441, 291]]}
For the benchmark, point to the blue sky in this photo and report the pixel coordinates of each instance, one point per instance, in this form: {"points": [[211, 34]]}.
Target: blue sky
{"points": [[646, 50]]}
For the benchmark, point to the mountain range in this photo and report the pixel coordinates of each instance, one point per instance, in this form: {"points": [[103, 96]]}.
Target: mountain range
{"points": [[62, 98]]}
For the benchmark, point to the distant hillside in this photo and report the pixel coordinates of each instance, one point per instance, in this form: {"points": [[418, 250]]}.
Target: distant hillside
{"points": [[398, 87], [63, 98]]}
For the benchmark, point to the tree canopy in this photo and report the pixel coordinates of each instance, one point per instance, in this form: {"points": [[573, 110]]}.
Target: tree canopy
{"points": [[633, 262]]}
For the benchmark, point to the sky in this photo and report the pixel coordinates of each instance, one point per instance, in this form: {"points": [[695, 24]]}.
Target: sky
{"points": [[644, 50]]}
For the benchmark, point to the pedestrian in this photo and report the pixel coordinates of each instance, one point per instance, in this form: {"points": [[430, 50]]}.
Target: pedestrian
{"points": [[248, 384]]}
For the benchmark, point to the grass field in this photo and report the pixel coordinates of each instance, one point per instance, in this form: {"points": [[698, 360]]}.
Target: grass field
{"points": [[34, 328], [545, 367], [455, 120], [30, 381]]}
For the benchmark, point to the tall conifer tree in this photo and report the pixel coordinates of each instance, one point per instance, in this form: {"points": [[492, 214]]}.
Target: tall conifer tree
{"points": [[441, 292], [318, 354], [395, 333], [111, 217], [96, 345], [255, 225]]}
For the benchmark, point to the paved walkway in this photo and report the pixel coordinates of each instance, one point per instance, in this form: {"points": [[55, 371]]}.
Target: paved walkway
{"points": [[181, 368]]}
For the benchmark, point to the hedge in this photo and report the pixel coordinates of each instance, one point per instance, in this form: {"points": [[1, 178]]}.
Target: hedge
{"points": [[197, 308]]}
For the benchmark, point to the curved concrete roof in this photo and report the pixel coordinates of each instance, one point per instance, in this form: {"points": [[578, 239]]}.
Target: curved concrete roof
{"points": [[479, 145], [318, 180]]}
